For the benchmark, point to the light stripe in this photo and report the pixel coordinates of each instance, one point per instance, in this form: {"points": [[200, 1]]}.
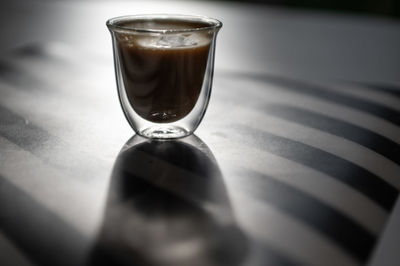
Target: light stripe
{"points": [[76, 120], [378, 96], [307, 88], [368, 139]]}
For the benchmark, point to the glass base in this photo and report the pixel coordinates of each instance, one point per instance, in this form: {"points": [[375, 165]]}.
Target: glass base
{"points": [[164, 132]]}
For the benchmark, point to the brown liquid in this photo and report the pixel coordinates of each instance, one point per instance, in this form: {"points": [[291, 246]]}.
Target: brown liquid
{"points": [[162, 83]]}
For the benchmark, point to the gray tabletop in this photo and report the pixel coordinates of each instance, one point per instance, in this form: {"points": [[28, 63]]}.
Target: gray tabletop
{"points": [[296, 162]]}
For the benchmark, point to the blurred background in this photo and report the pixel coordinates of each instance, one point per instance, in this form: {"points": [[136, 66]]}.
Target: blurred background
{"points": [[339, 40], [354, 40]]}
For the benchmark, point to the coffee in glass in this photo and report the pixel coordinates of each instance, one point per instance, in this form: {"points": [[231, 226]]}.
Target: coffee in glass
{"points": [[164, 68]]}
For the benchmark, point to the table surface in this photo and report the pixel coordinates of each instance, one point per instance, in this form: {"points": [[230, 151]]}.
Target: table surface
{"points": [[296, 162]]}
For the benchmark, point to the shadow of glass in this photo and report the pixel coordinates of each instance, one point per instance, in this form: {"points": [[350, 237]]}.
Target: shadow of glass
{"points": [[168, 205]]}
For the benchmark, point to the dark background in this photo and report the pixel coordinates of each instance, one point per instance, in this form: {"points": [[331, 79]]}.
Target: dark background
{"points": [[389, 8]]}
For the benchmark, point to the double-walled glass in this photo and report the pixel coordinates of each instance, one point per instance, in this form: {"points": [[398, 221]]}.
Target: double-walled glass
{"points": [[164, 70]]}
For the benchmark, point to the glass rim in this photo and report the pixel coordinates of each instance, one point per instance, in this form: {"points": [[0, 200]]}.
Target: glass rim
{"points": [[213, 24]]}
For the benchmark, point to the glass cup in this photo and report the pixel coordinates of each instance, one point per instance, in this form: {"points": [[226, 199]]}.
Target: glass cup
{"points": [[164, 68]]}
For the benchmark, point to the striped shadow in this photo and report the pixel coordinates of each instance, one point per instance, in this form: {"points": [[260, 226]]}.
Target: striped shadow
{"points": [[329, 95], [49, 148], [29, 137], [364, 137], [358, 178], [346, 233], [40, 234], [296, 239], [256, 95], [327, 190]]}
